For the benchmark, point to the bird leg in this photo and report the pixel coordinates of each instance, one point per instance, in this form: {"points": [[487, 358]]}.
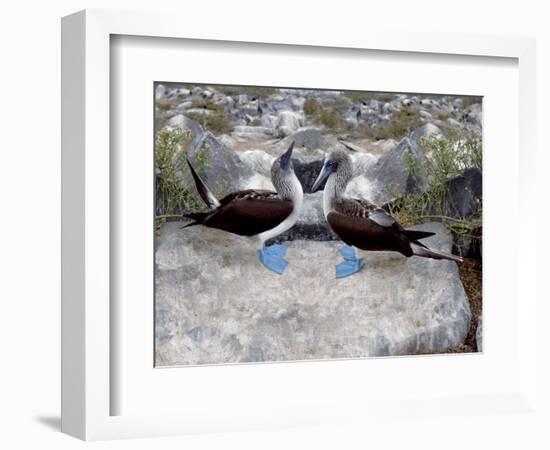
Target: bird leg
{"points": [[272, 257], [351, 263]]}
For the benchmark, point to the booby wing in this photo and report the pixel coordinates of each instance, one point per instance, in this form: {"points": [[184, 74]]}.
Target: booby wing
{"points": [[364, 225], [365, 209], [247, 213]]}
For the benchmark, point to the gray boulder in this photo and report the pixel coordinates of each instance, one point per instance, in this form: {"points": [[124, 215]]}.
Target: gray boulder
{"points": [[220, 168], [160, 92], [269, 121], [307, 172], [183, 122], [474, 114], [308, 137], [458, 103], [390, 174], [248, 132], [215, 303], [298, 102], [479, 335], [464, 200], [288, 122], [425, 131], [200, 111], [453, 123], [279, 103], [465, 194], [425, 115]]}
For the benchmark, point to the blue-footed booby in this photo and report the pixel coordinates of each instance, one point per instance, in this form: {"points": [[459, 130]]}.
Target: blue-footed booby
{"points": [[362, 224], [256, 213]]}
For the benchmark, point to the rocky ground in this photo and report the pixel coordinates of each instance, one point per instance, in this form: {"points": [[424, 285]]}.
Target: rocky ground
{"points": [[233, 135]]}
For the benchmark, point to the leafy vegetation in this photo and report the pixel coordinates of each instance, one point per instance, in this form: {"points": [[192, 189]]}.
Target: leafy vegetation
{"points": [[175, 196], [205, 103], [402, 123], [448, 159], [329, 116], [468, 101], [216, 122], [253, 91], [164, 105], [213, 118], [365, 96], [443, 116], [311, 107]]}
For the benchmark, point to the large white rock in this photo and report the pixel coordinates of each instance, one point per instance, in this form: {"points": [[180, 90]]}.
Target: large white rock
{"points": [[479, 335], [289, 122], [160, 92], [185, 123], [246, 132], [215, 303], [258, 160]]}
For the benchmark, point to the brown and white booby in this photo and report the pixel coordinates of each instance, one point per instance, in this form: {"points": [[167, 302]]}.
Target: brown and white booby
{"points": [[362, 224], [256, 213]]}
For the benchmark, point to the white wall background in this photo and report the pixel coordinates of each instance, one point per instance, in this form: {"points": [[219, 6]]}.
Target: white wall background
{"points": [[30, 198]]}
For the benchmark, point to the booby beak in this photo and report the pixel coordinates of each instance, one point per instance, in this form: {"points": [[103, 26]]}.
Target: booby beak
{"points": [[285, 157], [328, 168]]}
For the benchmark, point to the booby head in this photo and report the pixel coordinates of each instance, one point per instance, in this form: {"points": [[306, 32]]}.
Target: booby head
{"points": [[283, 177], [284, 162], [338, 166]]}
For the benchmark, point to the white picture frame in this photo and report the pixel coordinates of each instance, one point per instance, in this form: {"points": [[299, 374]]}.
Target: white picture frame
{"points": [[87, 383]]}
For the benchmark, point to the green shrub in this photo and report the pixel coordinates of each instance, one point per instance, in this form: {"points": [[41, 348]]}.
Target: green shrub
{"points": [[208, 104], [330, 119], [365, 96], [164, 105], [311, 107], [329, 115], [470, 100], [360, 96], [216, 122], [174, 195], [405, 121], [339, 104], [443, 116], [448, 158], [253, 91], [402, 123]]}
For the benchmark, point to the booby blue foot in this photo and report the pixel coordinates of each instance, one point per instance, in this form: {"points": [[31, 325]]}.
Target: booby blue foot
{"points": [[351, 263], [272, 257]]}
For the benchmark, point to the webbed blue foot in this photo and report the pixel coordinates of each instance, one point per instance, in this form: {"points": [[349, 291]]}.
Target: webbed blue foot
{"points": [[351, 263], [272, 257]]}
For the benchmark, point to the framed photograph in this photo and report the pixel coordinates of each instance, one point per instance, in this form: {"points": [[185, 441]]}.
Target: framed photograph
{"points": [[259, 189], [255, 225]]}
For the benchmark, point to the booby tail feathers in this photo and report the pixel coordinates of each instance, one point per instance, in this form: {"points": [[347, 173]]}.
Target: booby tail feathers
{"points": [[206, 194], [421, 250], [415, 235], [197, 217]]}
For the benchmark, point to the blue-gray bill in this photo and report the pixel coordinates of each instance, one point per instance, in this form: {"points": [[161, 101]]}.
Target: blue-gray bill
{"points": [[328, 168]]}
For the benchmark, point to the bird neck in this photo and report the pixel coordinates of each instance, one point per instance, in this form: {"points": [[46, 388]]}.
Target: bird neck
{"points": [[288, 189], [334, 190]]}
